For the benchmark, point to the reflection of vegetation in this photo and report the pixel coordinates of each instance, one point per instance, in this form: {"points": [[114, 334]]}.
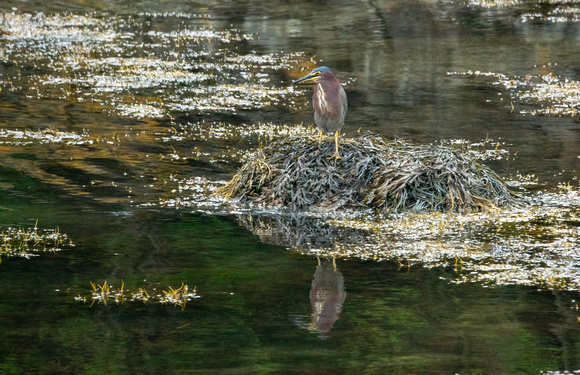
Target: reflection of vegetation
{"points": [[29, 242], [301, 231], [394, 176], [534, 245], [476, 333], [103, 294]]}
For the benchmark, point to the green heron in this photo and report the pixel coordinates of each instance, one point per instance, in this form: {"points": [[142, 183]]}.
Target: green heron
{"points": [[329, 102]]}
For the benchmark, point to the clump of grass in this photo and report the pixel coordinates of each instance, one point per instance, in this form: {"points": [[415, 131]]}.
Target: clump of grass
{"points": [[102, 293], [391, 176], [30, 242], [105, 293], [140, 295], [179, 296]]}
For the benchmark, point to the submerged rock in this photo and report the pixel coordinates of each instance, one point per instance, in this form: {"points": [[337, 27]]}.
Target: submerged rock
{"points": [[298, 172]]}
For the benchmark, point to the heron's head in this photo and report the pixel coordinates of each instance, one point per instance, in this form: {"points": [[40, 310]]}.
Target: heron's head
{"points": [[317, 75]]}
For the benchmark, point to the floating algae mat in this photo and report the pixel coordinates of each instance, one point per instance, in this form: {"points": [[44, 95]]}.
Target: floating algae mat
{"points": [[392, 176]]}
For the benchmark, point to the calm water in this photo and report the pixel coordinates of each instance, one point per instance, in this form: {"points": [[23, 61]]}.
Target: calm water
{"points": [[115, 116]]}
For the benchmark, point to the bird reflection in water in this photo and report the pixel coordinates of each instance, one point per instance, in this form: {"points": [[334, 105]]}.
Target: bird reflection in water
{"points": [[327, 295]]}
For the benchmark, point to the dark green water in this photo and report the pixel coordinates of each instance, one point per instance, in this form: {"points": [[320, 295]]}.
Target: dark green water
{"points": [[79, 68]]}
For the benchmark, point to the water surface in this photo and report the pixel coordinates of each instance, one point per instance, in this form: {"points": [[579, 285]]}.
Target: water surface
{"points": [[118, 120]]}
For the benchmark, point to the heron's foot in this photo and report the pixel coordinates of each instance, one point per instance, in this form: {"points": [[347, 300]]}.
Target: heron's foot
{"points": [[336, 156]]}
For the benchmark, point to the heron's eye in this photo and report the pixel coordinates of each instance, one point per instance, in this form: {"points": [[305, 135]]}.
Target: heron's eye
{"points": [[317, 73]]}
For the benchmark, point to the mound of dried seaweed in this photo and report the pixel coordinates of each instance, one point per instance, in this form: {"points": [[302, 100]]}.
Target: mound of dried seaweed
{"points": [[298, 172]]}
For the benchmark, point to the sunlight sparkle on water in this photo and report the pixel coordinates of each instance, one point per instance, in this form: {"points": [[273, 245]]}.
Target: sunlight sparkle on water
{"points": [[101, 60], [549, 94]]}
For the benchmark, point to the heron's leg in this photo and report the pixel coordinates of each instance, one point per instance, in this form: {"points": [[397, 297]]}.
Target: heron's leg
{"points": [[336, 155], [320, 136]]}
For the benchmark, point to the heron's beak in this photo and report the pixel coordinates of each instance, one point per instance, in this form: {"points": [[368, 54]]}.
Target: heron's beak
{"points": [[306, 78]]}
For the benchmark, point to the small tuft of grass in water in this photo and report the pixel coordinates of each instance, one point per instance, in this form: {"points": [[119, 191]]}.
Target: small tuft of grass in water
{"points": [[106, 293], [179, 296], [30, 242]]}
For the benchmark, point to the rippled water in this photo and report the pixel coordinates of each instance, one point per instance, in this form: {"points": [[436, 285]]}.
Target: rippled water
{"points": [[119, 120]]}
